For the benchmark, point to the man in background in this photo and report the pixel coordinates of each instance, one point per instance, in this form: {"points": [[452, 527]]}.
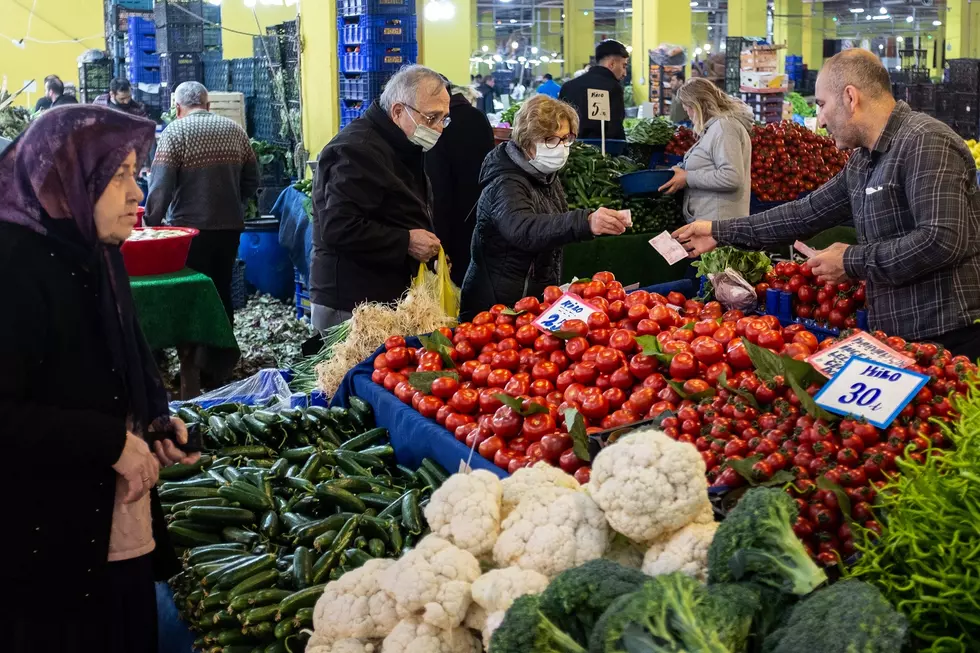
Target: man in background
{"points": [[453, 167], [485, 103], [120, 98], [54, 94], [612, 59], [677, 113], [549, 86], [372, 214], [203, 173]]}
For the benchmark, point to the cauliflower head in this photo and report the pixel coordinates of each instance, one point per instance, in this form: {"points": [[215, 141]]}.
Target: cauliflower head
{"points": [[432, 582], [494, 619], [528, 479], [414, 636], [624, 552], [551, 530], [476, 617], [685, 551], [498, 588], [466, 511], [347, 645], [649, 485], [355, 606]]}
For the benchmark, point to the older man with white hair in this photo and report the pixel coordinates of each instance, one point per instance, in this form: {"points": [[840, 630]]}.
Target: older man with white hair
{"points": [[372, 212], [203, 173]]}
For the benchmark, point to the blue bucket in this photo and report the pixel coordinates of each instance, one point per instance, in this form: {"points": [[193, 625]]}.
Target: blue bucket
{"points": [[267, 265], [644, 182]]}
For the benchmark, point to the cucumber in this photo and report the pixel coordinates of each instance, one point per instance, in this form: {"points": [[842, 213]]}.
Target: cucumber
{"points": [[324, 541], [303, 567], [285, 628], [394, 508], [231, 474], [199, 481], [354, 558], [266, 417], [213, 577], [253, 499], [354, 485], [270, 526], [381, 451], [223, 515], [297, 454], [310, 467], [189, 537], [395, 535], [260, 614], [376, 528], [291, 520], [377, 501], [262, 630], [205, 553], [309, 532], [298, 483], [360, 413], [365, 439], [236, 425], [362, 459], [232, 577], [435, 470], [210, 501], [214, 600], [305, 598], [202, 569], [342, 498], [218, 428], [215, 473], [330, 559], [248, 451], [278, 469], [233, 636], [221, 619], [261, 580], [185, 493], [411, 516], [256, 428], [276, 646], [256, 599], [307, 504], [350, 466], [180, 471], [242, 535]]}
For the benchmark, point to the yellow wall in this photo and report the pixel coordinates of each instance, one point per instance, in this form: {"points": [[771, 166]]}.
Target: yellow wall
{"points": [[579, 26], [445, 44], [746, 18], [318, 67], [54, 20], [656, 22], [235, 15]]}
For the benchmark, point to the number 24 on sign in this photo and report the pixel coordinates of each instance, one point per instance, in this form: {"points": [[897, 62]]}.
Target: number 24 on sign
{"points": [[869, 389]]}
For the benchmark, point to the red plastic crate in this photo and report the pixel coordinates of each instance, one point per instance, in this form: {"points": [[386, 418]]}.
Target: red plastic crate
{"points": [[148, 257]]}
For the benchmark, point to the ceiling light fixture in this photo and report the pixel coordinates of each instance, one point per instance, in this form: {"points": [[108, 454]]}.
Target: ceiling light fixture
{"points": [[857, 10], [937, 23]]}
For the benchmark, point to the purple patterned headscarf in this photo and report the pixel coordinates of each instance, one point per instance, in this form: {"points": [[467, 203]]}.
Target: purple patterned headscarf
{"points": [[50, 179]]}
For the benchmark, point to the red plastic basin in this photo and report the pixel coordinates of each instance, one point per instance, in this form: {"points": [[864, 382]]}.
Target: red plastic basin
{"points": [[161, 256]]}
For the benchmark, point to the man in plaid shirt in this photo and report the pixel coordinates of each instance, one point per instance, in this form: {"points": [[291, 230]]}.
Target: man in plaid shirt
{"points": [[911, 188]]}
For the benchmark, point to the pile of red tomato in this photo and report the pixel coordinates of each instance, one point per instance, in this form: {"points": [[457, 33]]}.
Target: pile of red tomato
{"points": [[788, 159], [833, 305], [700, 371], [681, 142]]}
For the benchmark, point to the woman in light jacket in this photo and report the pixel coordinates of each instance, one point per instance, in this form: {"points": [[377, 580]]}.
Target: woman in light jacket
{"points": [[717, 170]]}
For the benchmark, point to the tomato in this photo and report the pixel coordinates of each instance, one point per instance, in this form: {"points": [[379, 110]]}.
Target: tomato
{"points": [[379, 376], [845, 305], [545, 370], [574, 392], [452, 420], [547, 343], [737, 356], [503, 457], [676, 298], [404, 391], [506, 360], [600, 337], [621, 379], [506, 423], [464, 430], [489, 447], [517, 386], [608, 360], [707, 350], [622, 340], [488, 402], [724, 334], [583, 475], [429, 406], [569, 462], [622, 417], [769, 339], [595, 406], [393, 342], [868, 433], [465, 401], [538, 425], [683, 366], [696, 387], [444, 387], [398, 357], [392, 380], [835, 318], [806, 338]]}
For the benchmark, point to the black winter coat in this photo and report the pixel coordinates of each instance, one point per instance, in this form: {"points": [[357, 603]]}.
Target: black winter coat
{"points": [[64, 413], [369, 190], [485, 103], [576, 92], [453, 167], [522, 222]]}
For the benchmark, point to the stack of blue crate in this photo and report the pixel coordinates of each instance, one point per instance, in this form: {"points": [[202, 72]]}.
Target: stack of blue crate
{"points": [[795, 71], [212, 27], [142, 60], [376, 38], [117, 15]]}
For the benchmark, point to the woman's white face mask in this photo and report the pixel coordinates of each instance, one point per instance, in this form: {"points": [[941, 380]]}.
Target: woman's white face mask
{"points": [[550, 159]]}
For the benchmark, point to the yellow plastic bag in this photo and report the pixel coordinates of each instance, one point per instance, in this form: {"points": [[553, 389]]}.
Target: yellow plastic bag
{"points": [[445, 288]]}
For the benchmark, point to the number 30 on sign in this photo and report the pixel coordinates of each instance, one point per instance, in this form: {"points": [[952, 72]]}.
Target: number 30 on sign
{"points": [[869, 389]]}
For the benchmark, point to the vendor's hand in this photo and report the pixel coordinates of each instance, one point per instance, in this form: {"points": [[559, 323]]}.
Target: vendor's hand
{"points": [[606, 222], [138, 467], [677, 182], [828, 264], [696, 238], [422, 245], [169, 453]]}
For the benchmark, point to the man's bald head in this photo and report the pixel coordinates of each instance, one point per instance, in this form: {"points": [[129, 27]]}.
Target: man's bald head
{"points": [[858, 68]]}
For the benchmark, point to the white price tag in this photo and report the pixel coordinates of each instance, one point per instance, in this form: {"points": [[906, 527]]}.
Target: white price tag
{"points": [[566, 307], [862, 345], [869, 389], [599, 105]]}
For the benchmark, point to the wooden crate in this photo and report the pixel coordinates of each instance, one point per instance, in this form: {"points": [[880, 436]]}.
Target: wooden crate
{"points": [[229, 105]]}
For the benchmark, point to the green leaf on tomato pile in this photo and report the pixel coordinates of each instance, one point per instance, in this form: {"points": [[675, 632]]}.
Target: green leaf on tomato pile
{"points": [[807, 403], [651, 347], [564, 335], [744, 394], [767, 364], [744, 469], [440, 344], [802, 371], [422, 381], [511, 312], [576, 430], [517, 405], [697, 396]]}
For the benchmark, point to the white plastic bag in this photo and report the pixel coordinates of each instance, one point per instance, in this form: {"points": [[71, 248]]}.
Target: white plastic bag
{"points": [[732, 290], [266, 388]]}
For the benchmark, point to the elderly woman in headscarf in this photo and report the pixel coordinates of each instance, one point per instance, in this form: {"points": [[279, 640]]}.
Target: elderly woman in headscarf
{"points": [[80, 394]]}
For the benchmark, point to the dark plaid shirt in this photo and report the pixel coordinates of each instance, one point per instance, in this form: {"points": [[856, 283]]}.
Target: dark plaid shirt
{"points": [[915, 203]]}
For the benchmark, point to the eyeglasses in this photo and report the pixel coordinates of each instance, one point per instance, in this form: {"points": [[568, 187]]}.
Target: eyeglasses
{"points": [[431, 120], [553, 141]]}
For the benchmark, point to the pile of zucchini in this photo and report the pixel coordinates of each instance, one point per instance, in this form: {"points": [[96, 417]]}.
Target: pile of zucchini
{"points": [[262, 528]]}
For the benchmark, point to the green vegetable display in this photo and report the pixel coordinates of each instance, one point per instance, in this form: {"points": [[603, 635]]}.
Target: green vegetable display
{"points": [[925, 561], [13, 119], [285, 502], [649, 131], [305, 186], [507, 115], [527, 630], [751, 265], [800, 106]]}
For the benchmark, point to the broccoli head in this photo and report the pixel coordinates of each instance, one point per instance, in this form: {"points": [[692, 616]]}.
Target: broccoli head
{"points": [[576, 598], [673, 613], [756, 543], [848, 617], [526, 630]]}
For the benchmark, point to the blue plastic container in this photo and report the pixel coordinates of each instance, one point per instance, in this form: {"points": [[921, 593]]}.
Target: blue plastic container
{"points": [[644, 182], [376, 29], [376, 57], [614, 146], [371, 7], [351, 110], [363, 86], [267, 265]]}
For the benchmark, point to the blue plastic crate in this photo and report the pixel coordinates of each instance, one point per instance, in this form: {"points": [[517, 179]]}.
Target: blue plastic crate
{"points": [[371, 7], [168, 12], [212, 37], [180, 37], [243, 76], [144, 75], [116, 46], [142, 58], [212, 13], [350, 110], [362, 86], [780, 304], [211, 55], [376, 57], [217, 75], [176, 68], [136, 5], [376, 29]]}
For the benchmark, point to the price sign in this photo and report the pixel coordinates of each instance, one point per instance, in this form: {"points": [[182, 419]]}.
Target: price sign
{"points": [[861, 344], [567, 307], [869, 389], [599, 105]]}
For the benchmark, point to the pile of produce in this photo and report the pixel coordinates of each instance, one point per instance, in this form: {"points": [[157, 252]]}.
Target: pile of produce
{"points": [[788, 159], [269, 335], [682, 141], [649, 131], [753, 266], [800, 106], [827, 305], [285, 502], [305, 186], [269, 154], [507, 115], [925, 559], [632, 562], [589, 181], [13, 119], [974, 147]]}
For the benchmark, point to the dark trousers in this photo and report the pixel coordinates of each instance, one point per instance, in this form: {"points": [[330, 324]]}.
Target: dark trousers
{"points": [[963, 342], [213, 254], [125, 622]]}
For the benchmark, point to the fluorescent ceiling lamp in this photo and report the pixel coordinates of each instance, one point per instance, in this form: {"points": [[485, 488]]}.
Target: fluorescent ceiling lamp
{"points": [[900, 39], [697, 51], [867, 17], [513, 20], [882, 11], [885, 17], [909, 19], [497, 58], [937, 23], [857, 10], [534, 50], [881, 47], [249, 3], [515, 45], [707, 47], [694, 4], [521, 59], [545, 58], [485, 48], [710, 28]]}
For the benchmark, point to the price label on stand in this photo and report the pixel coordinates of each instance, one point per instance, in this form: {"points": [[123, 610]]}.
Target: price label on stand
{"points": [[599, 105], [566, 307], [869, 389], [861, 344]]}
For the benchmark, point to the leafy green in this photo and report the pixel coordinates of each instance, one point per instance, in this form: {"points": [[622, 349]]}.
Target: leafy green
{"points": [[800, 106], [751, 265], [507, 115], [649, 131]]}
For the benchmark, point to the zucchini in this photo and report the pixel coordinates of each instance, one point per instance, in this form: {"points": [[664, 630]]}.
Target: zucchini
{"points": [[395, 535], [324, 541], [242, 535], [199, 481], [411, 516], [218, 428], [231, 473], [266, 417], [233, 636], [377, 501], [261, 580], [342, 498], [202, 569], [310, 531], [256, 428], [285, 628], [329, 560], [278, 469], [308, 503], [239, 573], [303, 567], [223, 515], [305, 598], [256, 599], [362, 459], [375, 528], [213, 577], [185, 493], [188, 415], [261, 463], [270, 526], [260, 614], [291, 520], [365, 439], [215, 473], [360, 542], [214, 600], [188, 537], [297, 454], [248, 451], [210, 501], [435, 470], [263, 630], [225, 409], [381, 451], [360, 413], [310, 467], [350, 466], [354, 485], [376, 548], [354, 558], [205, 553], [235, 423], [304, 616], [298, 483], [246, 495], [394, 508]]}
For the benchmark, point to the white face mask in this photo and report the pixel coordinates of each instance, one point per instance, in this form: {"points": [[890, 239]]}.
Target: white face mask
{"points": [[424, 136], [550, 159]]}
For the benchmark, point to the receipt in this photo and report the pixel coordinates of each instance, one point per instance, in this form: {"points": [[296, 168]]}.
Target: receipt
{"points": [[668, 247], [804, 249]]}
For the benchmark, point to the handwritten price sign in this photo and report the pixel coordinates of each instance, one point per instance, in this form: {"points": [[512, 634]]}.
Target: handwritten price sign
{"points": [[567, 307], [870, 389]]}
